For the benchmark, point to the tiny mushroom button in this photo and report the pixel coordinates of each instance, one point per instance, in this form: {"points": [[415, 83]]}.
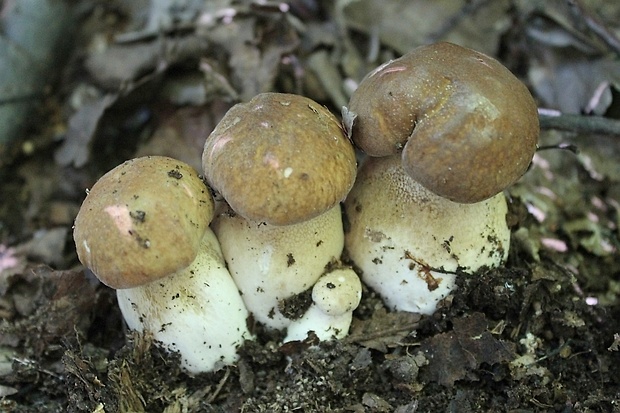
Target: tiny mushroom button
{"points": [[334, 297], [337, 292]]}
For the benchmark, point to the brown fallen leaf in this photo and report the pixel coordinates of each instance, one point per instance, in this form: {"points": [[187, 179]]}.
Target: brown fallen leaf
{"points": [[384, 329], [453, 355]]}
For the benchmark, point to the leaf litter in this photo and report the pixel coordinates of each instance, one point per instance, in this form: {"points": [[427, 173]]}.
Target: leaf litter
{"points": [[540, 334]]}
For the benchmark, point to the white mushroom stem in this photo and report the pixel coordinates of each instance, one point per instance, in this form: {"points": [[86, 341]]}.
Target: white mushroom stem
{"points": [[334, 297], [198, 311], [271, 263], [409, 242]]}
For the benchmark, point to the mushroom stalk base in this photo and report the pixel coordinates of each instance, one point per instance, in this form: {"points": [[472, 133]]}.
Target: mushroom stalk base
{"points": [[325, 326], [272, 263], [197, 312], [409, 242]]}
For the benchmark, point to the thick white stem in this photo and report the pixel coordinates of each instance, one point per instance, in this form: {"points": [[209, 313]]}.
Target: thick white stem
{"points": [[325, 326], [271, 263], [409, 242], [198, 311]]}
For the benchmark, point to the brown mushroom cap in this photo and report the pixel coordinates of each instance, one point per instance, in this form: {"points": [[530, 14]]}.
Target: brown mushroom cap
{"points": [[280, 159], [142, 221], [467, 127]]}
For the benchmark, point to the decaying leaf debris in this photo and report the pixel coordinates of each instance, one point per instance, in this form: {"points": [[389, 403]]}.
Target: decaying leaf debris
{"points": [[153, 77]]}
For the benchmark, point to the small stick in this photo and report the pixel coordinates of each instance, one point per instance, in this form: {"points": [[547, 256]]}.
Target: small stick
{"points": [[579, 123]]}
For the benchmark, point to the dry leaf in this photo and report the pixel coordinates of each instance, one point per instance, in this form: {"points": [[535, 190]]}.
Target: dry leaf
{"points": [[384, 329], [75, 149], [405, 25], [255, 48], [453, 355]]}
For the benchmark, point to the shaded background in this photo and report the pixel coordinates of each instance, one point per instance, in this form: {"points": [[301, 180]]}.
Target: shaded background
{"points": [[85, 85]]}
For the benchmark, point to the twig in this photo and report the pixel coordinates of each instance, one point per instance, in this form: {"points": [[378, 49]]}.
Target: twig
{"points": [[562, 146], [219, 387], [580, 124]]}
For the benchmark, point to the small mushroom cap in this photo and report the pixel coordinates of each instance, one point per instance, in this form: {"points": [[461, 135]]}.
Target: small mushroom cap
{"points": [[337, 292], [280, 159], [142, 221], [467, 127]]}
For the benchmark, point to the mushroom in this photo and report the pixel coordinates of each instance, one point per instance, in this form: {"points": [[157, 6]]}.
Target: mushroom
{"points": [[143, 230], [283, 164], [272, 263], [455, 128], [410, 243], [334, 297], [279, 159], [466, 126]]}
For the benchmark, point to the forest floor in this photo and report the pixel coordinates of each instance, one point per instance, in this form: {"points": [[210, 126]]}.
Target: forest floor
{"points": [[539, 334]]}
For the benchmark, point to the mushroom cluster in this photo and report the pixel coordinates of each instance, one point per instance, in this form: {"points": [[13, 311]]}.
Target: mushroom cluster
{"points": [[283, 165], [447, 130]]}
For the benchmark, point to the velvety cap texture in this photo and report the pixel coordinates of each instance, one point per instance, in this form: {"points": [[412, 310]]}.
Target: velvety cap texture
{"points": [[142, 221], [280, 159], [466, 126]]}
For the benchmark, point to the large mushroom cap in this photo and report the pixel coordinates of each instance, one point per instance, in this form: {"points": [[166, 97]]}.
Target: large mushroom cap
{"points": [[142, 221], [467, 127], [280, 159]]}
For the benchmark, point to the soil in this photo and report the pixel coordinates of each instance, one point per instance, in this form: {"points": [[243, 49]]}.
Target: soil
{"points": [[539, 334]]}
